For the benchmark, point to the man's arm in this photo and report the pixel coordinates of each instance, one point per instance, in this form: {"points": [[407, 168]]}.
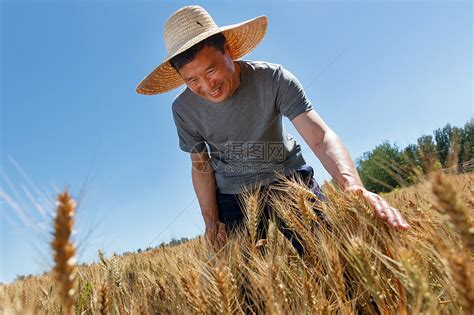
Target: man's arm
{"points": [[332, 153], [204, 183]]}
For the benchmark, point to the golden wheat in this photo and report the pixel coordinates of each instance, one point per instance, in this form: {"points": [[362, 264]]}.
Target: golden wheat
{"points": [[352, 263]]}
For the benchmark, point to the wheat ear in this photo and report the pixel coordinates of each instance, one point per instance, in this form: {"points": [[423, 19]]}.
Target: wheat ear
{"points": [[451, 204], [103, 302], [252, 212], [64, 251]]}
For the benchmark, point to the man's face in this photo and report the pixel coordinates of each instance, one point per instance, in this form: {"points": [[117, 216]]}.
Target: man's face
{"points": [[211, 74]]}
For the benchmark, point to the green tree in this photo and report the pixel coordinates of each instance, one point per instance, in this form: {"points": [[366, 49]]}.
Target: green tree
{"points": [[454, 148], [443, 138], [427, 154], [412, 162], [386, 167], [466, 142], [381, 169]]}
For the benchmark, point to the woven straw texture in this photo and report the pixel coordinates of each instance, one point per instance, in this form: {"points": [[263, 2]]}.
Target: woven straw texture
{"points": [[187, 27]]}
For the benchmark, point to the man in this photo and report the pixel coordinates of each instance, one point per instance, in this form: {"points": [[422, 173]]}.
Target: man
{"points": [[229, 118]]}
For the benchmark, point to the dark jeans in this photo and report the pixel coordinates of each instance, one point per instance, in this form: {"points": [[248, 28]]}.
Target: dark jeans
{"points": [[231, 210]]}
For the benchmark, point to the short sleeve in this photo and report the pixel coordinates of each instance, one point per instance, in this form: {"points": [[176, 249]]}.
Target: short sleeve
{"points": [[189, 140], [290, 96]]}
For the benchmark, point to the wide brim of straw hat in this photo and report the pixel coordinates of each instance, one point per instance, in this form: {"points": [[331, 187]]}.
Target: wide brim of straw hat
{"points": [[242, 38]]}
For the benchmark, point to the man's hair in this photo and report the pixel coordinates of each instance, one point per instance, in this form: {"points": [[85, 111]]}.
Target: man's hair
{"points": [[217, 41]]}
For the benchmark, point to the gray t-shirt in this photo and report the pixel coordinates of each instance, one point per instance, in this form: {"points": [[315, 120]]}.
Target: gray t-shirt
{"points": [[245, 135]]}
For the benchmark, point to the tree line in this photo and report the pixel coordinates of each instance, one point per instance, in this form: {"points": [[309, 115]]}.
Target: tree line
{"points": [[387, 166]]}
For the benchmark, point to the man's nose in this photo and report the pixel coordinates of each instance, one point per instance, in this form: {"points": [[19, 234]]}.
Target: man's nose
{"points": [[207, 85]]}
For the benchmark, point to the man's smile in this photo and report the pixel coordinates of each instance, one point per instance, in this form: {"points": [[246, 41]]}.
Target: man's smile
{"points": [[215, 92]]}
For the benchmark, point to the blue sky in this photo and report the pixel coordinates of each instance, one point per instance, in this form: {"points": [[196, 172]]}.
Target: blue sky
{"points": [[70, 117]]}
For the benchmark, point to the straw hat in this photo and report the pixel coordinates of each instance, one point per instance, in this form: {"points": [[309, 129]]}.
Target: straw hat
{"points": [[187, 27]]}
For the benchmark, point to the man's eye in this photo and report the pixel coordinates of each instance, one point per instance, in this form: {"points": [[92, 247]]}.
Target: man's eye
{"points": [[212, 71], [192, 81]]}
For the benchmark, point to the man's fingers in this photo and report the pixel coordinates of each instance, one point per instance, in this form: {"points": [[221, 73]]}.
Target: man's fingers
{"points": [[383, 210], [216, 236], [211, 234], [398, 220], [222, 234], [397, 216], [210, 241], [221, 227], [402, 222], [377, 205], [221, 237], [391, 216]]}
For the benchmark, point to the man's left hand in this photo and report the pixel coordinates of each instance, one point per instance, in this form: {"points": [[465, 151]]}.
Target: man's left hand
{"points": [[381, 207]]}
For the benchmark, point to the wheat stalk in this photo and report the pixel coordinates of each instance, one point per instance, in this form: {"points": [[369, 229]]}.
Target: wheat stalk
{"points": [[64, 251]]}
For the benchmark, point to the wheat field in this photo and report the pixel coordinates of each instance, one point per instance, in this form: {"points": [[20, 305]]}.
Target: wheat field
{"points": [[353, 263]]}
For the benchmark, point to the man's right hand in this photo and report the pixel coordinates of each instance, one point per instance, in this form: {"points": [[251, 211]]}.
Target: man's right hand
{"points": [[216, 235]]}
